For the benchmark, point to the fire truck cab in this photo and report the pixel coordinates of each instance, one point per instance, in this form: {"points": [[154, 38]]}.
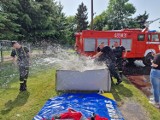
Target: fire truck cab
{"points": [[139, 44]]}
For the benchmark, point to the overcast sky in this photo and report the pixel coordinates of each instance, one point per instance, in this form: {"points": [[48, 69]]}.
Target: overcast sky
{"points": [[151, 6]]}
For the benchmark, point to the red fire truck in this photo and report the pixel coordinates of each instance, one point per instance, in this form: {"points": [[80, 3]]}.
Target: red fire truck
{"points": [[138, 43]]}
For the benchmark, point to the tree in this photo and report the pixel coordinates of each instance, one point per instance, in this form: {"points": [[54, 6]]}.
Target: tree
{"points": [[142, 19], [138, 22], [36, 19], [70, 30], [81, 17], [19, 11], [61, 25], [116, 16], [8, 28], [99, 21], [48, 21], [118, 13]]}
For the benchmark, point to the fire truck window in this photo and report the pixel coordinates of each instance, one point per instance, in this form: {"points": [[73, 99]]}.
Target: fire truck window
{"points": [[149, 37], [141, 37], [114, 40], [100, 40], [155, 38], [89, 44], [127, 43]]}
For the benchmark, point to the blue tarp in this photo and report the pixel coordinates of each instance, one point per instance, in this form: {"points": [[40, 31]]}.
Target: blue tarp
{"points": [[87, 104]]}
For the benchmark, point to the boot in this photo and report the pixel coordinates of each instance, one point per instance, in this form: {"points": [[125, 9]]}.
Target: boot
{"points": [[121, 74], [118, 81], [22, 87], [25, 84]]}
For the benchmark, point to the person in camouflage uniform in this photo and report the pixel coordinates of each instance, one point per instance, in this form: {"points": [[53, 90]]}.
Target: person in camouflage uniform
{"points": [[20, 56]]}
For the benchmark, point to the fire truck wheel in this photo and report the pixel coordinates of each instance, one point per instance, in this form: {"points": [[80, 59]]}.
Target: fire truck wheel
{"points": [[147, 59]]}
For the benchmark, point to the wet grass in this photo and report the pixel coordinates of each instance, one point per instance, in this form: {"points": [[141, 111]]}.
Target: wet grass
{"points": [[8, 73], [128, 92]]}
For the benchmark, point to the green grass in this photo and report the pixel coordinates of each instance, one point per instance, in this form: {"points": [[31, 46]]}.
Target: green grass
{"points": [[6, 53], [41, 86], [24, 105]]}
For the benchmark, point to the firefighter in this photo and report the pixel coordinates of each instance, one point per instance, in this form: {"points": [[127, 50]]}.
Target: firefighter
{"points": [[100, 47], [118, 52], [20, 57], [110, 61], [101, 58]]}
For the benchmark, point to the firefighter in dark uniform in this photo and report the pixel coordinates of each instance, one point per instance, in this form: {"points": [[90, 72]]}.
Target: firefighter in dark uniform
{"points": [[20, 57], [100, 47], [110, 61], [101, 58], [118, 52]]}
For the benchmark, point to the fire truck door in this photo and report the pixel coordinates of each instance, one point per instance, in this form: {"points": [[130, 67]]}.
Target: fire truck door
{"points": [[140, 44], [127, 43], [153, 41]]}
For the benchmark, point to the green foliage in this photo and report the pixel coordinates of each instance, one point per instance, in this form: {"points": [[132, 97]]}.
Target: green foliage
{"points": [[36, 20], [118, 15], [119, 12], [70, 30], [141, 19], [39, 20], [99, 21], [8, 29], [81, 17]]}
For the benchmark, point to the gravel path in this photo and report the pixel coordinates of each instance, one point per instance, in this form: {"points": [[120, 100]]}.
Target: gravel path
{"points": [[133, 111]]}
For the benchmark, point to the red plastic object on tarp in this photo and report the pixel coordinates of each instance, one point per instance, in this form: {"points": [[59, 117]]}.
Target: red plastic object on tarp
{"points": [[71, 114], [74, 115], [97, 117]]}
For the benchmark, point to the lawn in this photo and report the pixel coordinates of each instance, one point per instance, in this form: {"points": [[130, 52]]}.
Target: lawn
{"points": [[17, 105]]}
